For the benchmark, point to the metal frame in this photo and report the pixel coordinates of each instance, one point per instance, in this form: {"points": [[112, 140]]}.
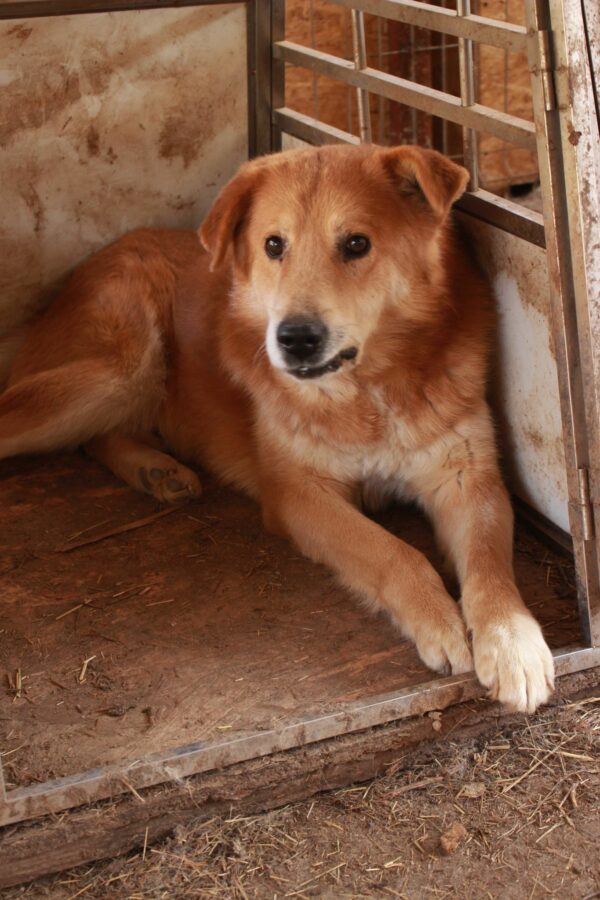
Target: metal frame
{"points": [[569, 237]]}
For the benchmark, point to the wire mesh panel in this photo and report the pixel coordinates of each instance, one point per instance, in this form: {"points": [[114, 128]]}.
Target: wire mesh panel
{"points": [[500, 79]]}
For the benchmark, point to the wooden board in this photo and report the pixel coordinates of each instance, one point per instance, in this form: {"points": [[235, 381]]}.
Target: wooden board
{"points": [[197, 626], [108, 829]]}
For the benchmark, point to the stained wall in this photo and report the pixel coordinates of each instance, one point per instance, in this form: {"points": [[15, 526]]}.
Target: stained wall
{"points": [[109, 122], [525, 375]]}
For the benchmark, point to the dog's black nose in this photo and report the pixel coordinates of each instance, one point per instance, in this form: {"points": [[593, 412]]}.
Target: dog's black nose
{"points": [[301, 338]]}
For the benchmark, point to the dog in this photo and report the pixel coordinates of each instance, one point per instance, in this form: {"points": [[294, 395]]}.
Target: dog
{"points": [[323, 347]]}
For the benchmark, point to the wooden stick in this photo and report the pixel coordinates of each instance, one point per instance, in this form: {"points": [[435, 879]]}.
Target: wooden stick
{"points": [[120, 529]]}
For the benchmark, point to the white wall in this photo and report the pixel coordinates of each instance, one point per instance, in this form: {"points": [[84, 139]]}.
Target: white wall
{"points": [[525, 381]]}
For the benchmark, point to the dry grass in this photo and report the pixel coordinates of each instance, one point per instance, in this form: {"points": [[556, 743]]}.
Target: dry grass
{"points": [[514, 816]]}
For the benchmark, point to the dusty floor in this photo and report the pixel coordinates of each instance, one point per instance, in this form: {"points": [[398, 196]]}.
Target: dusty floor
{"points": [[109, 632], [515, 815]]}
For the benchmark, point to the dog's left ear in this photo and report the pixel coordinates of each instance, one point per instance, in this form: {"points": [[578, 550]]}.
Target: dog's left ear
{"points": [[222, 225], [439, 179]]}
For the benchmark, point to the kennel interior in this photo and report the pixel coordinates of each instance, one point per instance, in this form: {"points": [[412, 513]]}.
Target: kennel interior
{"points": [[141, 645]]}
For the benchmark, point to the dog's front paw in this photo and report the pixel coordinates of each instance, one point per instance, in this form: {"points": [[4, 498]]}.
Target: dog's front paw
{"points": [[513, 661], [441, 639]]}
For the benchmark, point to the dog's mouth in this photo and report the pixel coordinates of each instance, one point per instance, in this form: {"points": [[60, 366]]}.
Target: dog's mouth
{"points": [[331, 366]]}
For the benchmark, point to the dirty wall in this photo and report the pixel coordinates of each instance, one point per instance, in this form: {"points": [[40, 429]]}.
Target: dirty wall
{"points": [[109, 122]]}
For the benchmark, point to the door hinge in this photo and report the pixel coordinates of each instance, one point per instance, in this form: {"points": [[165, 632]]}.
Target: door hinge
{"points": [[546, 69], [585, 502]]}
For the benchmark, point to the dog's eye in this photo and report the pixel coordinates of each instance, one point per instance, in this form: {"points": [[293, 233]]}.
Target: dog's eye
{"points": [[274, 246], [356, 245]]}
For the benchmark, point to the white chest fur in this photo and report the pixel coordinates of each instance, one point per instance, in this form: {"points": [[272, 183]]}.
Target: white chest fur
{"points": [[396, 463]]}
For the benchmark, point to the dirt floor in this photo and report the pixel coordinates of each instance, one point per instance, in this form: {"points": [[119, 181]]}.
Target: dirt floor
{"points": [[514, 815]]}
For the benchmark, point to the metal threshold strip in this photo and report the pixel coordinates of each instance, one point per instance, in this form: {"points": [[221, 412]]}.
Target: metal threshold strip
{"points": [[94, 785]]}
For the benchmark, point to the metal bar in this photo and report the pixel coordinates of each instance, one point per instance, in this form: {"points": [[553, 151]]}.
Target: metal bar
{"points": [[380, 100], [261, 77], [32, 9], [467, 96], [159, 768], [558, 220], [305, 128], [578, 130], [444, 74], [251, 74], [501, 125], [504, 214], [277, 70], [435, 18], [414, 136], [359, 52]]}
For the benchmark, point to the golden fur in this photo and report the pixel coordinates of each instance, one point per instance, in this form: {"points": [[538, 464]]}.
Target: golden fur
{"points": [[154, 334]]}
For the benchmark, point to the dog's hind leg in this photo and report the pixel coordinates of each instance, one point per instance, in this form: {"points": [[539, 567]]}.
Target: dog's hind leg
{"points": [[62, 407], [145, 468]]}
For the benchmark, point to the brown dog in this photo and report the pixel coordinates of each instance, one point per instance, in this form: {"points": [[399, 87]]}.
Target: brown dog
{"points": [[329, 349]]}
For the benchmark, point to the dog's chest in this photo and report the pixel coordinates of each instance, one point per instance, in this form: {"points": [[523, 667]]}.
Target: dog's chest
{"points": [[385, 452]]}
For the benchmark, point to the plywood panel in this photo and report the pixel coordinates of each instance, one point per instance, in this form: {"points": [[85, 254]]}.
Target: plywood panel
{"points": [[108, 122]]}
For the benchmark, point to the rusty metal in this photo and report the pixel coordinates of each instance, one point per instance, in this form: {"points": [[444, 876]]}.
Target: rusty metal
{"points": [[568, 269], [506, 127], [359, 52], [578, 134], [159, 768]]}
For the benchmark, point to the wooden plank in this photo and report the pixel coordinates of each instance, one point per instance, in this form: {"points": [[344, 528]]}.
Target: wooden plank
{"points": [[109, 829]]}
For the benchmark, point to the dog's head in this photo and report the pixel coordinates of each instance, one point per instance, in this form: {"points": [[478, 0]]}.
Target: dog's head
{"points": [[324, 241]]}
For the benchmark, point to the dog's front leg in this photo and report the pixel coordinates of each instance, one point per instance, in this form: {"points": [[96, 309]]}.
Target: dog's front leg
{"points": [[463, 492], [320, 519]]}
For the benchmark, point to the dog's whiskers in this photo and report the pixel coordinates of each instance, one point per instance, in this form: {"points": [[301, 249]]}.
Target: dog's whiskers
{"points": [[262, 351]]}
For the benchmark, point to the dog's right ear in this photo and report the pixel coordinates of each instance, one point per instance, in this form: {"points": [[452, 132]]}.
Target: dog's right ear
{"points": [[226, 216], [439, 180]]}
